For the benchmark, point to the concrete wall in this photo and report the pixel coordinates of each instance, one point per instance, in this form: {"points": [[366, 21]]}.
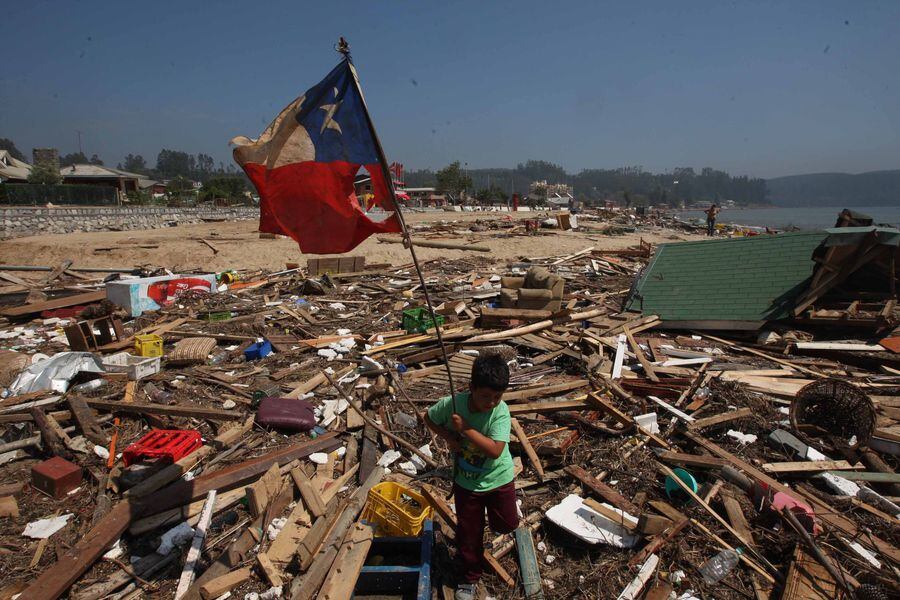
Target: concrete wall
{"points": [[24, 221]]}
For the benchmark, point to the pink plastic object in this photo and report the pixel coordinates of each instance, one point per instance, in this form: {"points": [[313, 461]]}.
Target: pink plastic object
{"points": [[172, 444]]}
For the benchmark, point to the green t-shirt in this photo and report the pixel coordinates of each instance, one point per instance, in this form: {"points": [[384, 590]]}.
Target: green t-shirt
{"points": [[475, 471]]}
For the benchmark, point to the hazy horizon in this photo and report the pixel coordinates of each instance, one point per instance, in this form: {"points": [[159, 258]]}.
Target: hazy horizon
{"points": [[764, 90]]}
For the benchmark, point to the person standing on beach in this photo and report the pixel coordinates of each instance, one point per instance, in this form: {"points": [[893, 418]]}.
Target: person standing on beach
{"points": [[711, 213]]}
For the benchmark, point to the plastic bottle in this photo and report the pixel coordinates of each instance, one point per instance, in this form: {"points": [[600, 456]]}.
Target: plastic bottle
{"points": [[715, 569], [218, 358], [89, 386], [158, 395]]}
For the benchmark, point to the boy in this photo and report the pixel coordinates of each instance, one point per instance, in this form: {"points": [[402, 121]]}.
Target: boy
{"points": [[478, 434]]}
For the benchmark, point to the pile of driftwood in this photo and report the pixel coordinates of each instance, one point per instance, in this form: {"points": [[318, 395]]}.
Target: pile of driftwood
{"points": [[641, 453]]}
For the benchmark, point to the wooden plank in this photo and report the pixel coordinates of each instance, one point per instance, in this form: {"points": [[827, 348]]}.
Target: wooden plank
{"points": [[36, 307], [636, 348], [284, 546], [529, 449], [542, 390], [808, 580], [193, 555], [349, 561], [307, 585], [528, 564], [620, 519], [272, 573], [720, 419], [811, 466], [692, 460], [824, 511], [633, 590], [200, 412], [86, 420], [310, 494], [736, 515], [261, 492], [50, 435], [602, 490], [547, 407], [227, 582]]}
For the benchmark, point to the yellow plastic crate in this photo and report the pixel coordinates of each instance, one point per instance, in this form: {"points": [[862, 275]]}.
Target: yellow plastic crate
{"points": [[395, 509], [148, 344]]}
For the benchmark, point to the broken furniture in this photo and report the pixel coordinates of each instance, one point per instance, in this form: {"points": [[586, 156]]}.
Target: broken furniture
{"points": [[91, 334], [538, 290], [190, 351]]}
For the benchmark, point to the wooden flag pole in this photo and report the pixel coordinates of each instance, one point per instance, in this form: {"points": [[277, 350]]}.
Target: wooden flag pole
{"points": [[344, 48]]}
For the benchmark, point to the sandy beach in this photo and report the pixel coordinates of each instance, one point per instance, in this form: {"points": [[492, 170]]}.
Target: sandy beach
{"points": [[240, 247]]}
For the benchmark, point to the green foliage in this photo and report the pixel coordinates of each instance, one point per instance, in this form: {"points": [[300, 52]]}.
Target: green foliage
{"points": [[596, 185], [8, 145], [491, 195], [73, 158], [44, 174], [174, 163], [451, 180], [95, 160], [134, 163], [229, 188]]}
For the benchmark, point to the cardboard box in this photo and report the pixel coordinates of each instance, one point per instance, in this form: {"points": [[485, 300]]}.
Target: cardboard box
{"points": [[152, 293]]}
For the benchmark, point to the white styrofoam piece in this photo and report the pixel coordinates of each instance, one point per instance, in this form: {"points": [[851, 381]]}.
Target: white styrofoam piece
{"points": [[587, 524]]}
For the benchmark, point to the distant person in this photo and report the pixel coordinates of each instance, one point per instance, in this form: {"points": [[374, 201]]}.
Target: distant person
{"points": [[711, 213]]}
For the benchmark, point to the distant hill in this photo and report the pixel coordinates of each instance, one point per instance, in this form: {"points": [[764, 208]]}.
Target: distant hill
{"points": [[876, 188]]}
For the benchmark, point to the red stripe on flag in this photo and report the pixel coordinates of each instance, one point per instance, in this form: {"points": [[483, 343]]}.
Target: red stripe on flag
{"points": [[314, 203]]}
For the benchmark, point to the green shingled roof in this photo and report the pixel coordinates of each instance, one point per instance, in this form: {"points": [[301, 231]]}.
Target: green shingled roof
{"points": [[746, 280]]}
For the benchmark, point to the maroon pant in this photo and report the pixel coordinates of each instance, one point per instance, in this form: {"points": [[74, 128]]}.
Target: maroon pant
{"points": [[503, 517]]}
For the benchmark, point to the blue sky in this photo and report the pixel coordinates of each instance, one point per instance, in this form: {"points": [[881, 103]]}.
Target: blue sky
{"points": [[762, 88]]}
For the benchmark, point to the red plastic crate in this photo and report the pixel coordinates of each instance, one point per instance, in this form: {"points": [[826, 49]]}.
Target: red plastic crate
{"points": [[172, 444]]}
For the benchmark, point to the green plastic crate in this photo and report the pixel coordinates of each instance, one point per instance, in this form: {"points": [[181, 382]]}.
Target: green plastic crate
{"points": [[417, 320]]}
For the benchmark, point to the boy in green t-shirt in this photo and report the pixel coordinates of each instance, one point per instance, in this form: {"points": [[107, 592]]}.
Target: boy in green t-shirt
{"points": [[478, 434]]}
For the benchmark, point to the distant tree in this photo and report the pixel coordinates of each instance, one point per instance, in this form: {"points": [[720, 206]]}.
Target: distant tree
{"points": [[491, 194], [175, 163], [44, 174], [95, 160], [626, 196], [230, 188], [8, 145], [452, 180], [134, 163], [542, 170], [73, 158]]}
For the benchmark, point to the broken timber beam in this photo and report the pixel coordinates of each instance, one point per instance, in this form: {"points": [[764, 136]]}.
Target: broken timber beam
{"points": [[74, 561]]}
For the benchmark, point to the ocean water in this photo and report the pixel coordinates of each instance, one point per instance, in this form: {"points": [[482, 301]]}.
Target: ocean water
{"points": [[804, 218]]}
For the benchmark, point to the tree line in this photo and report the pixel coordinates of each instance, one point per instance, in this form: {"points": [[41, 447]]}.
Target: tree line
{"points": [[628, 185]]}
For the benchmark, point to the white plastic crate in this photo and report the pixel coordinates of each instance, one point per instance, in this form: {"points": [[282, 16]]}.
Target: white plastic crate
{"points": [[136, 366]]}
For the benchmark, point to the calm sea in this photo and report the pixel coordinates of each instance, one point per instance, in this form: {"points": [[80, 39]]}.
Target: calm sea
{"points": [[804, 218]]}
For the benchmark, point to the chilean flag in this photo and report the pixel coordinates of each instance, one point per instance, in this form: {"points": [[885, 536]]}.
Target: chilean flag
{"points": [[304, 163]]}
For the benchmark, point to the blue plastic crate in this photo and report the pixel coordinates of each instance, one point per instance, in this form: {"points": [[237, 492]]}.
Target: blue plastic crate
{"points": [[258, 350]]}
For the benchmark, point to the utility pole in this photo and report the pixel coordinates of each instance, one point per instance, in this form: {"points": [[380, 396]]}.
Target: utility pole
{"points": [[80, 151]]}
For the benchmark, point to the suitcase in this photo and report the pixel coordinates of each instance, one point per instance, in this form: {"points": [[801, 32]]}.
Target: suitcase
{"points": [[286, 413]]}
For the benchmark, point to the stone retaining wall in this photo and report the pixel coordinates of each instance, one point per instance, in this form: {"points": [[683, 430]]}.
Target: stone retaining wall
{"points": [[23, 221]]}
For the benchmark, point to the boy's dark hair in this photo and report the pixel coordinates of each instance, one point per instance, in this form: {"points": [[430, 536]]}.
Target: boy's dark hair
{"points": [[490, 371]]}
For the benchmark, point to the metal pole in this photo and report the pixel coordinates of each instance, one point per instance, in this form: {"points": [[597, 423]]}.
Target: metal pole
{"points": [[344, 49]]}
